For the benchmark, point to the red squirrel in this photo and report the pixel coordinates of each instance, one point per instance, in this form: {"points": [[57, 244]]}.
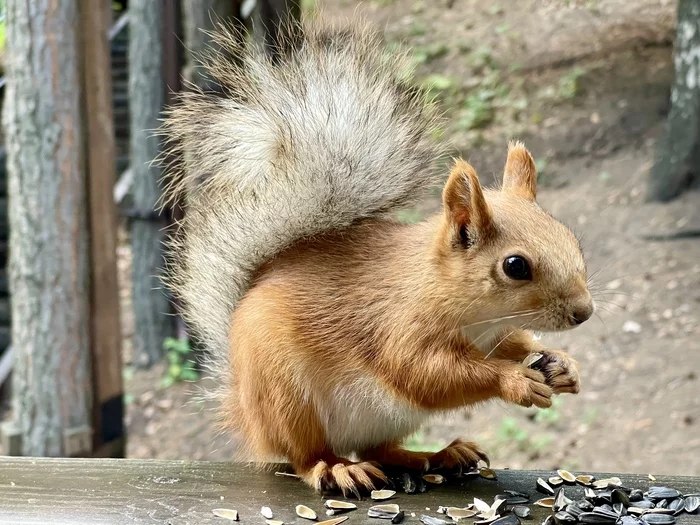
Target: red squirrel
{"points": [[334, 331]]}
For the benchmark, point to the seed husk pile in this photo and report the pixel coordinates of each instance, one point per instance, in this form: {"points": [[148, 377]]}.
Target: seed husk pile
{"points": [[608, 502]]}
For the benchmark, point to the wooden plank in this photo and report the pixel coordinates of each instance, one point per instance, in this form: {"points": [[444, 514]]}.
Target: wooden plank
{"points": [[108, 410], [91, 491]]}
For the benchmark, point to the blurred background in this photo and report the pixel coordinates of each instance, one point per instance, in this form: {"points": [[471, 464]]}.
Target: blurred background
{"points": [[606, 95]]}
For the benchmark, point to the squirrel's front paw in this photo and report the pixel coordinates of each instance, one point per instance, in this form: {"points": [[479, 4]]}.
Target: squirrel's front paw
{"points": [[525, 386], [560, 372]]}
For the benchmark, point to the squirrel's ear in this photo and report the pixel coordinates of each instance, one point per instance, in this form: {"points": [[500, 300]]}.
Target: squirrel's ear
{"points": [[464, 201], [520, 175]]}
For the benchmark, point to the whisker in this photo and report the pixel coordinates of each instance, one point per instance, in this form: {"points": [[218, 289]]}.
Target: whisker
{"points": [[503, 318]]}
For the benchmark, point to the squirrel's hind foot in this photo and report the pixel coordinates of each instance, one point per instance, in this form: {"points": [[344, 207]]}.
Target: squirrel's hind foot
{"points": [[346, 476], [459, 456]]}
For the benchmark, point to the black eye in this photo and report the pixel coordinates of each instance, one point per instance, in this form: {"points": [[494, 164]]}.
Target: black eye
{"points": [[517, 268]]}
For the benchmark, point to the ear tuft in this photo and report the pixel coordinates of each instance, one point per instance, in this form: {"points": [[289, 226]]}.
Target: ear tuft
{"points": [[464, 201], [520, 174]]}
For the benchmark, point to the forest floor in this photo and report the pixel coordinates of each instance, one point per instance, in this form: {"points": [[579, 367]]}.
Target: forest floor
{"points": [[586, 85]]}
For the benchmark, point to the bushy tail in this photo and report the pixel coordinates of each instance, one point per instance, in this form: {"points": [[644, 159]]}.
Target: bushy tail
{"points": [[328, 133]]}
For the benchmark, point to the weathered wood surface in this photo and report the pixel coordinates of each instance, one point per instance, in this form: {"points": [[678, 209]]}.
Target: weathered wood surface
{"points": [[106, 337], [96, 492]]}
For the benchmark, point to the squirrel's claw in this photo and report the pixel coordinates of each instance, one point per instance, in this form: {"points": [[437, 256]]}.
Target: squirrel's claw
{"points": [[560, 372], [348, 477]]}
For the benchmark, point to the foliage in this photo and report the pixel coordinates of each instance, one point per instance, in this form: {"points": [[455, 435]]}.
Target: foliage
{"points": [[181, 362], [550, 415], [417, 442], [510, 433], [569, 84]]}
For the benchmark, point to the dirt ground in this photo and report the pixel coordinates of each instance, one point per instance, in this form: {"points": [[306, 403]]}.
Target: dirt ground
{"points": [[586, 85]]}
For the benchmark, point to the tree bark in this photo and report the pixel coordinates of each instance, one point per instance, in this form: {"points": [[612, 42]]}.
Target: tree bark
{"points": [[152, 322], [49, 272], [678, 159]]}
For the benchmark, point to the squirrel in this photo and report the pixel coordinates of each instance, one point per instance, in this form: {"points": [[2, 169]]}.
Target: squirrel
{"points": [[334, 330]]}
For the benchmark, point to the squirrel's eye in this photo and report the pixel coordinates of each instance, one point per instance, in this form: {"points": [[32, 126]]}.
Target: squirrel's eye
{"points": [[517, 268]]}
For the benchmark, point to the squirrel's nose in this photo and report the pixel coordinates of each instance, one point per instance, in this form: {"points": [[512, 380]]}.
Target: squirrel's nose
{"points": [[583, 314]]}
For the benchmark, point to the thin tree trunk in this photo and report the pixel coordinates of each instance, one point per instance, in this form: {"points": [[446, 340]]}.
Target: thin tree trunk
{"points": [[152, 322], [49, 272], [678, 163]]}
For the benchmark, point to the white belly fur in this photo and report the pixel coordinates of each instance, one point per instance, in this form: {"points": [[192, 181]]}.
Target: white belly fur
{"points": [[362, 414]]}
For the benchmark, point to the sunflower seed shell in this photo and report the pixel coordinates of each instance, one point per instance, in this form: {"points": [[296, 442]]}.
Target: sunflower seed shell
{"points": [[305, 512], [228, 514]]}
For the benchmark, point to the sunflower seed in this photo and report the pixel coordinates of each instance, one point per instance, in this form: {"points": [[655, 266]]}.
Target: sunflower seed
{"points": [[651, 477], [459, 514], [513, 499], [508, 520], [585, 479], [659, 519], [589, 493], [274, 522], [266, 512], [644, 504], [564, 518], [637, 511], [677, 505], [658, 510], [692, 504], [487, 520], [620, 509], [560, 500], [636, 495], [555, 481], [628, 520], [429, 520], [549, 520], [522, 511], [481, 505], [566, 476], [398, 517], [379, 495], [487, 473], [618, 496], [663, 504], [532, 359], [574, 510], [305, 512], [385, 512], [334, 521], [229, 514], [607, 483], [594, 518], [544, 488], [442, 510], [545, 502], [655, 493], [434, 478], [336, 507]]}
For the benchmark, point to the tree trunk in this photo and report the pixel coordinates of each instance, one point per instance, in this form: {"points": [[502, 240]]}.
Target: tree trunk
{"points": [[200, 18], [678, 164], [49, 272], [152, 322]]}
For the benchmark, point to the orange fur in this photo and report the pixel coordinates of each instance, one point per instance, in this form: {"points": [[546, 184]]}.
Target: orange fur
{"points": [[395, 311]]}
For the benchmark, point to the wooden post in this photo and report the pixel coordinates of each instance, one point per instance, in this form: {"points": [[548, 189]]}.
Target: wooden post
{"points": [[152, 322], [49, 250], [108, 412]]}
